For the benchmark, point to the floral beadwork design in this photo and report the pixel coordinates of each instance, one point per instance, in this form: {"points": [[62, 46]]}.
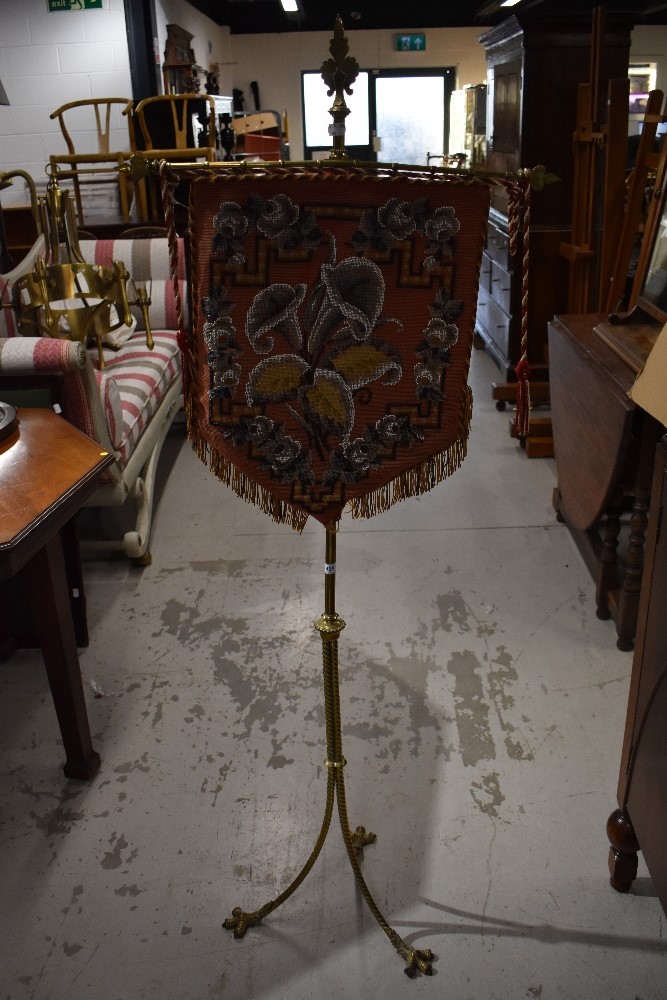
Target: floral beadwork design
{"points": [[330, 334], [223, 350], [396, 220], [380, 230], [277, 218], [281, 454], [440, 336]]}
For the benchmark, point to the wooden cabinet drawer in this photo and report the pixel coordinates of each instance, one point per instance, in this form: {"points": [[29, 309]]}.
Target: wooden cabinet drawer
{"points": [[495, 323], [497, 245], [485, 275], [501, 286]]}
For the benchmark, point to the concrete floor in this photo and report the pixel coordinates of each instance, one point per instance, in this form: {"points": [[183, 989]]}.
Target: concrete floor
{"points": [[483, 706]]}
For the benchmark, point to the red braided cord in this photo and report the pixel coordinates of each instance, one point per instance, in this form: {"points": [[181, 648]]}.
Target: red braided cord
{"points": [[522, 369], [514, 214], [167, 184]]}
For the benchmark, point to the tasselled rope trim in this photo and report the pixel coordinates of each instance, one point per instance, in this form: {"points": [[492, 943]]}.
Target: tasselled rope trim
{"points": [[168, 183]]}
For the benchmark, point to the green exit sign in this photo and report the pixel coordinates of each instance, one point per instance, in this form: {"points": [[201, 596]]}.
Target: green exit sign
{"points": [[53, 5], [410, 43]]}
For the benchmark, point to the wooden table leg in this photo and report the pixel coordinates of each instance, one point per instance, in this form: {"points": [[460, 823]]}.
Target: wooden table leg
{"points": [[628, 597], [607, 571], [623, 860], [47, 580]]}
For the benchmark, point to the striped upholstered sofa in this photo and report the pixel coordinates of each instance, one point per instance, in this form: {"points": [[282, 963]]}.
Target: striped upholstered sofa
{"points": [[129, 405]]}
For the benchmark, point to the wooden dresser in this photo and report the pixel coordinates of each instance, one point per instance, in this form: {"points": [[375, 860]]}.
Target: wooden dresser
{"points": [[494, 302], [535, 64]]}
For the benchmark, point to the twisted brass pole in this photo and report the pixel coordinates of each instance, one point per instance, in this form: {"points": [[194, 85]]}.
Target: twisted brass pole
{"points": [[330, 625]]}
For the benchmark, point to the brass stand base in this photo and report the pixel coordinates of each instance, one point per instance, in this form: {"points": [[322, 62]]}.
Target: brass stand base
{"points": [[330, 625]]}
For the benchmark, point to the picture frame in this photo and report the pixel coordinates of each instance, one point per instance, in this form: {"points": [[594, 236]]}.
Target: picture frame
{"points": [[653, 293], [649, 288]]}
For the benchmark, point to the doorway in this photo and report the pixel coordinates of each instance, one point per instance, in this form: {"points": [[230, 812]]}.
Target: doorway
{"points": [[142, 45], [396, 116]]}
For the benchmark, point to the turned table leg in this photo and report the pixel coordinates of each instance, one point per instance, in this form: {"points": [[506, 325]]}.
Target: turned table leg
{"points": [[623, 858], [607, 576], [47, 580], [628, 600]]}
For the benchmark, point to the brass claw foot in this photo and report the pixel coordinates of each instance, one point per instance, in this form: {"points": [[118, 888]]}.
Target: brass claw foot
{"points": [[239, 922], [360, 838], [419, 960]]}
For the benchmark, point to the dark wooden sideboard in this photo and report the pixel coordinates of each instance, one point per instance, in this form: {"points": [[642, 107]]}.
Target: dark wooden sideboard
{"points": [[640, 822]]}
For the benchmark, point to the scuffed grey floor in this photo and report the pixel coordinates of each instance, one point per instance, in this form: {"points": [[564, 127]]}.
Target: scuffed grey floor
{"points": [[483, 706]]}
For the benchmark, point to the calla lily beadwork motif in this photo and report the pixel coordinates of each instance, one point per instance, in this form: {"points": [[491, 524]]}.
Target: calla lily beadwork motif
{"points": [[320, 349]]}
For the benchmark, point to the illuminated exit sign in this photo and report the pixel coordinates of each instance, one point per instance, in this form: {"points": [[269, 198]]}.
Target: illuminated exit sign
{"points": [[53, 5], [410, 43]]}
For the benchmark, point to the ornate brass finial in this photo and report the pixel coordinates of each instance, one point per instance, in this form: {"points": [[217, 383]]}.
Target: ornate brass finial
{"points": [[339, 73]]}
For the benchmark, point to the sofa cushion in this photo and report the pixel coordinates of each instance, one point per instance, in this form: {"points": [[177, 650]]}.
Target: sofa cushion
{"points": [[147, 261], [19, 355], [112, 406], [134, 383], [65, 358]]}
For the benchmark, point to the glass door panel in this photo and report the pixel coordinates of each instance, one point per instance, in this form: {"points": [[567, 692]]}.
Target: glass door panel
{"points": [[395, 116], [410, 118]]}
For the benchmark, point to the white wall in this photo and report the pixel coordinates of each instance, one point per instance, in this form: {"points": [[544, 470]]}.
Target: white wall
{"points": [[50, 59], [276, 61]]}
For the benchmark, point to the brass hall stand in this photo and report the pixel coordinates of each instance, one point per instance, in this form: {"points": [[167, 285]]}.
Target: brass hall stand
{"points": [[338, 73]]}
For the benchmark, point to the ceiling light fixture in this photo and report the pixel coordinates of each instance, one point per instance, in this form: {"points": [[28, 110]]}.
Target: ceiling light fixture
{"points": [[492, 7], [293, 10]]}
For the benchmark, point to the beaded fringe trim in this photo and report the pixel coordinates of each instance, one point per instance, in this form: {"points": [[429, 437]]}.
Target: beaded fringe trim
{"points": [[411, 483], [420, 479]]}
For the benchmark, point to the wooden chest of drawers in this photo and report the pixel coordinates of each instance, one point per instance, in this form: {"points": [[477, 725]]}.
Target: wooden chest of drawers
{"points": [[494, 304], [498, 321]]}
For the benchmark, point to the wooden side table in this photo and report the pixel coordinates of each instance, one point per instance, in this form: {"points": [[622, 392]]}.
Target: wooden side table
{"points": [[604, 447], [47, 470]]}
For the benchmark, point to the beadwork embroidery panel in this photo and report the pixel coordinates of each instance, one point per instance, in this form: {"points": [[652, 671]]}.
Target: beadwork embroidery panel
{"points": [[333, 322]]}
